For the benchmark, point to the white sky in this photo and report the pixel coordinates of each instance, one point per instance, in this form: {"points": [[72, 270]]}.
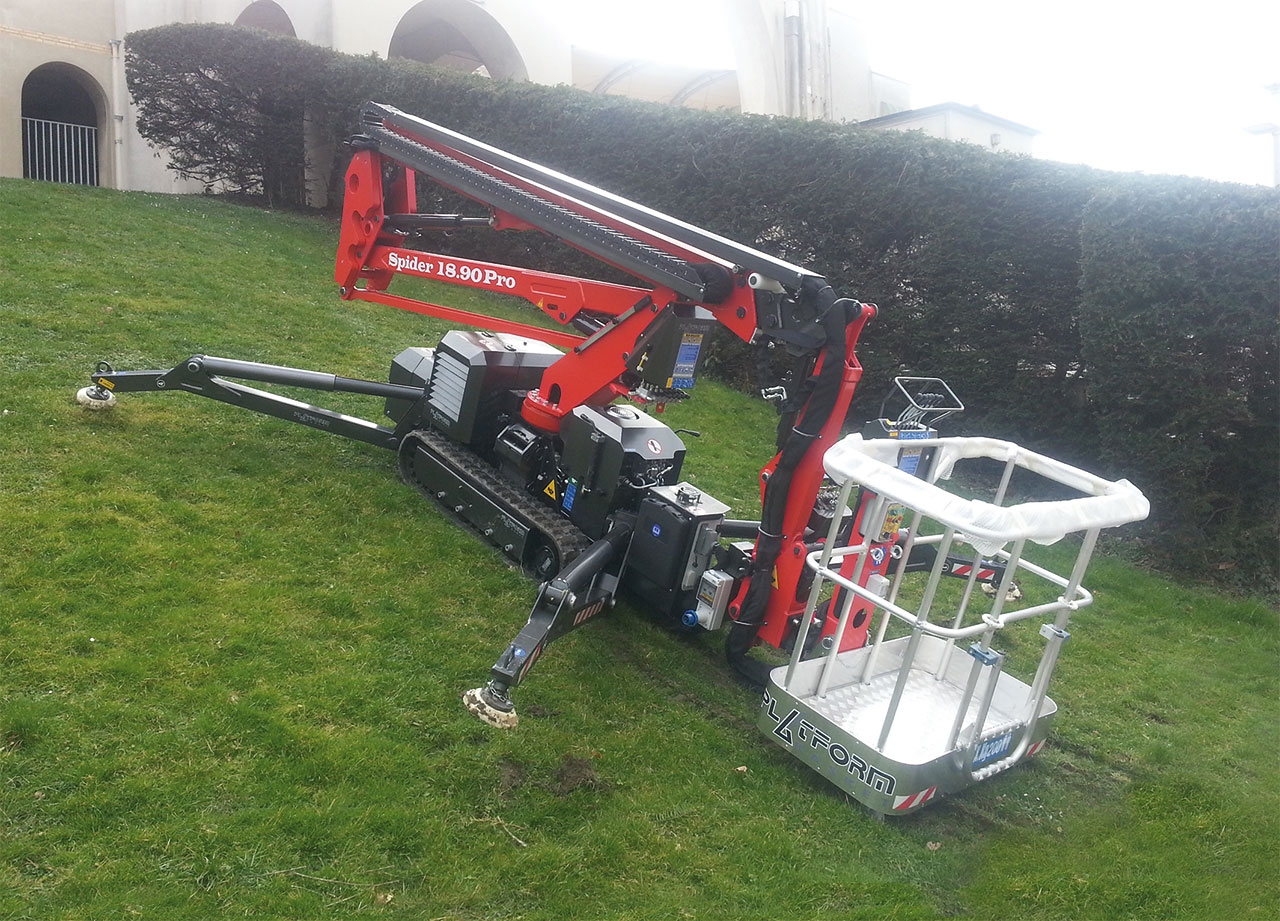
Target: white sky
{"points": [[1156, 86]]}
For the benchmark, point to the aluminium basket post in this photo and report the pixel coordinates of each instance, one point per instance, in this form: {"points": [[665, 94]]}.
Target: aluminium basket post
{"points": [[998, 500], [984, 657], [815, 590], [918, 629]]}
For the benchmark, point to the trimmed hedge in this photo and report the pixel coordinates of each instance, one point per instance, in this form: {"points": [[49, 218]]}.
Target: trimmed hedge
{"points": [[1179, 316], [976, 260], [229, 112]]}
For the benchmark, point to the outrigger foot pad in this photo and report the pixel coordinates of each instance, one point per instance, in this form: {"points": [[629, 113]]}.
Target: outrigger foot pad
{"points": [[1013, 593], [95, 397], [490, 707]]}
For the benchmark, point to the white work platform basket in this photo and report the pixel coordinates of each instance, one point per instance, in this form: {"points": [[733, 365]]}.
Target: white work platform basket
{"points": [[925, 708]]}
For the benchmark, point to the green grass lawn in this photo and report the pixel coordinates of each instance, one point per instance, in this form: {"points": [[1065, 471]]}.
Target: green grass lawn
{"points": [[232, 650]]}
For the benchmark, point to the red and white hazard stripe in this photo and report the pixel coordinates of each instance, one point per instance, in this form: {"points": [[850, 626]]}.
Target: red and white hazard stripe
{"points": [[901, 803], [589, 611], [963, 569], [528, 662], [1035, 748]]}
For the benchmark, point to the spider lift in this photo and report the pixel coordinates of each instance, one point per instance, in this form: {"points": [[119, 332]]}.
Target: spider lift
{"points": [[542, 442]]}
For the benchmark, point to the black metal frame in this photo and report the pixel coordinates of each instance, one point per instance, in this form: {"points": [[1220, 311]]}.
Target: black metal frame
{"points": [[202, 375]]}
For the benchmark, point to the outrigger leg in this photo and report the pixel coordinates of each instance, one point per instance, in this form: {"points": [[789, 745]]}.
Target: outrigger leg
{"points": [[576, 594]]}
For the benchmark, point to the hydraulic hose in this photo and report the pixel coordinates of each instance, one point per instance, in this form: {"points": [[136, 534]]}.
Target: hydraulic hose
{"points": [[777, 494]]}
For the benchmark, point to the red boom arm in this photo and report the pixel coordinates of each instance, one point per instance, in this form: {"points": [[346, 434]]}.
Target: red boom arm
{"points": [[678, 268]]}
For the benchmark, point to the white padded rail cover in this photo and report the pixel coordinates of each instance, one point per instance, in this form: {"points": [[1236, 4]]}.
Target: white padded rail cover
{"points": [[873, 464]]}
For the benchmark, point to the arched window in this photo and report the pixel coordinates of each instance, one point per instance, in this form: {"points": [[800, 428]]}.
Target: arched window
{"points": [[459, 35], [60, 121], [267, 16]]}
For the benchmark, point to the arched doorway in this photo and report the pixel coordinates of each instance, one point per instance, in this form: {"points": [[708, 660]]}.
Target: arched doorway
{"points": [[267, 16], [459, 35], [61, 116]]}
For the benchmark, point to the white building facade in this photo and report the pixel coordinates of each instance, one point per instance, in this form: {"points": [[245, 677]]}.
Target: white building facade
{"points": [[65, 113], [64, 108]]}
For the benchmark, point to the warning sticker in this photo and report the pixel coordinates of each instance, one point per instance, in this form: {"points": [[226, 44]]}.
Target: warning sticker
{"points": [[682, 375]]}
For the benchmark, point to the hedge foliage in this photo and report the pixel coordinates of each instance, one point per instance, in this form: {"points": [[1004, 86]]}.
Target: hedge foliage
{"points": [[1180, 296], [1125, 323], [229, 112]]}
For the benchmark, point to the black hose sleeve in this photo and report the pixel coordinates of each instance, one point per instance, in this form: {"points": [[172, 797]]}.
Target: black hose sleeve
{"points": [[777, 494]]}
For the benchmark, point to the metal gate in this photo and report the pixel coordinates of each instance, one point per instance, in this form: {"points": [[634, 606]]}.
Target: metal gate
{"points": [[59, 151]]}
